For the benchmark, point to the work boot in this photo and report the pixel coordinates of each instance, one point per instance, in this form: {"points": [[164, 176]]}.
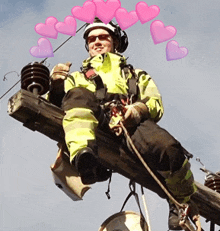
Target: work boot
{"points": [[86, 164], [173, 221], [89, 168]]}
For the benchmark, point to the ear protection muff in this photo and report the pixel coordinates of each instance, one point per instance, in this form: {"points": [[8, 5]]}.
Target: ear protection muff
{"points": [[123, 43], [121, 36]]}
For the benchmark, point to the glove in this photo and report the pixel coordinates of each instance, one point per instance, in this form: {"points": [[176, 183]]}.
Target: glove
{"points": [[60, 71], [135, 113], [58, 75]]}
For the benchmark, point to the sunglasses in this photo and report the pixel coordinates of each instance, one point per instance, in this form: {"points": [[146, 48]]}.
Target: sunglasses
{"points": [[102, 37]]}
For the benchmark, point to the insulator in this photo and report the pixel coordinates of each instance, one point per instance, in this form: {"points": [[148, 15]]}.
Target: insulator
{"points": [[213, 182], [35, 77]]}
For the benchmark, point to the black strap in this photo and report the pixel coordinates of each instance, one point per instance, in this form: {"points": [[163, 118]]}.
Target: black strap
{"points": [[126, 200], [133, 192], [100, 88], [131, 82], [108, 190]]}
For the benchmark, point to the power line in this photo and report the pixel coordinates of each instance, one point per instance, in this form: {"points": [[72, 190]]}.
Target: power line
{"points": [[10, 89], [42, 60], [64, 42]]}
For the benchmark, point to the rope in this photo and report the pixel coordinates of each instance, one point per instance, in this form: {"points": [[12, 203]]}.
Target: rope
{"points": [[145, 208]]}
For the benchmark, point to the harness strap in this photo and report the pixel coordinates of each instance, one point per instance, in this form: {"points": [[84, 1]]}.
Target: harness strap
{"points": [[133, 192], [131, 82], [100, 87], [108, 190]]}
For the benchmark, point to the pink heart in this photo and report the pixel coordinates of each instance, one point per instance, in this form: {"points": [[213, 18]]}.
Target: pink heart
{"points": [[160, 33], [67, 27], [85, 13], [105, 11], [47, 29], [145, 13], [125, 19], [43, 50], [173, 51]]}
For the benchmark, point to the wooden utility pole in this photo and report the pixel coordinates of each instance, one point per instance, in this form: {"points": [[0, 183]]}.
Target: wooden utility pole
{"points": [[38, 114]]}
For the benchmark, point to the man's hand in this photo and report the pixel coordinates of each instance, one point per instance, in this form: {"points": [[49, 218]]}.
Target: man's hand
{"points": [[134, 114], [58, 75]]}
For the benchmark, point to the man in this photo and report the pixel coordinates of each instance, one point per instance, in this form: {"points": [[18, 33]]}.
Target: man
{"points": [[106, 77]]}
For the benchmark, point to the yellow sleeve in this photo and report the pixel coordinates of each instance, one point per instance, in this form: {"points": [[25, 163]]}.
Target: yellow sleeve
{"points": [[69, 82], [150, 95]]}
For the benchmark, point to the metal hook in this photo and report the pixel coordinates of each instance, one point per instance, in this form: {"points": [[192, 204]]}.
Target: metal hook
{"points": [[198, 160], [132, 186], [204, 169], [9, 73]]}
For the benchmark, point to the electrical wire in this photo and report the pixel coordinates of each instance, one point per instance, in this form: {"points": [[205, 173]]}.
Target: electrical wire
{"points": [[10, 89], [42, 60], [64, 42]]}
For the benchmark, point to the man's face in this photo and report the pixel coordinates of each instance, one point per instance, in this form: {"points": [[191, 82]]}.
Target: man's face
{"points": [[99, 42]]}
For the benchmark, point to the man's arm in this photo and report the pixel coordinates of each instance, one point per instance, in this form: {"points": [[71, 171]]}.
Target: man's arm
{"points": [[58, 75], [149, 94]]}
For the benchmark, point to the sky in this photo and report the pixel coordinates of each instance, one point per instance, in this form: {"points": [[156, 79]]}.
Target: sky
{"points": [[29, 200]]}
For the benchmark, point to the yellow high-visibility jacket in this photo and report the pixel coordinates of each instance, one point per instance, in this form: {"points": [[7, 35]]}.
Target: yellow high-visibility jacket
{"points": [[108, 67]]}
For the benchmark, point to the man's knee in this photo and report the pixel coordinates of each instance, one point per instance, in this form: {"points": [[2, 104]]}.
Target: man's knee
{"points": [[79, 98], [172, 154], [176, 156], [159, 147]]}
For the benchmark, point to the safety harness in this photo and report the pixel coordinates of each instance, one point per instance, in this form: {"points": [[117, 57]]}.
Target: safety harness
{"points": [[101, 89], [133, 89]]}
